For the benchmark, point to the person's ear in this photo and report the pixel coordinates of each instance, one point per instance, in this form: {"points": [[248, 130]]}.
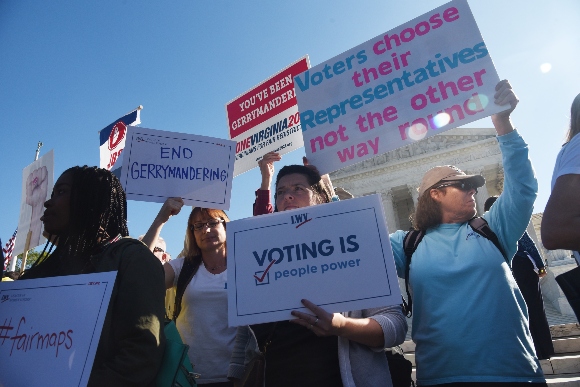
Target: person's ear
{"points": [[435, 194]]}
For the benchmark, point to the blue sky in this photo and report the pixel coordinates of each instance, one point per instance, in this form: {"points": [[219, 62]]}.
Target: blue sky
{"points": [[69, 68]]}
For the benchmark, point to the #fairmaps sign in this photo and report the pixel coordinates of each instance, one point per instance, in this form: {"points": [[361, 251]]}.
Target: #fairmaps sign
{"points": [[159, 164], [337, 255], [50, 328], [426, 76]]}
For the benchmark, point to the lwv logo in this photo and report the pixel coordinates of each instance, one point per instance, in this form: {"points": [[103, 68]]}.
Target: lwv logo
{"points": [[300, 219]]}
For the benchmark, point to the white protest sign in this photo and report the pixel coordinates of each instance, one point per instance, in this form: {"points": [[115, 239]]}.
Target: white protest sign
{"points": [[37, 183], [426, 76], [50, 328], [337, 255], [266, 119], [159, 164]]}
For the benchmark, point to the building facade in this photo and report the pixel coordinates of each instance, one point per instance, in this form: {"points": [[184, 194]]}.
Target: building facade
{"points": [[396, 175]]}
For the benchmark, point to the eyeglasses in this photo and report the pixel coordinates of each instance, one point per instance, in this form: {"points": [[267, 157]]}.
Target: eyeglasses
{"points": [[158, 250], [212, 223], [462, 185]]}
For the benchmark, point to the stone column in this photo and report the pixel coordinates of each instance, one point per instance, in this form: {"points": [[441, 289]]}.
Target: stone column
{"points": [[387, 197], [413, 191]]}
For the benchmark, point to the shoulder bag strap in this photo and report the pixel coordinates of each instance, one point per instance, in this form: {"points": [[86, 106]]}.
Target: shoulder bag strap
{"points": [[188, 270], [410, 243], [480, 226]]}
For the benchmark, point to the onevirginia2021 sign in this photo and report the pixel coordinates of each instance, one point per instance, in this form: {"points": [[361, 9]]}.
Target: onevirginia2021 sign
{"points": [[266, 119]]}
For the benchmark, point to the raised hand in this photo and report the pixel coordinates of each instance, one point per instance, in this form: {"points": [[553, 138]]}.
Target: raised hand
{"points": [[267, 168]]}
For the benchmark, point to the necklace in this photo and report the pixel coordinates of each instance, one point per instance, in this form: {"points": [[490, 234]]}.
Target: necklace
{"points": [[214, 268]]}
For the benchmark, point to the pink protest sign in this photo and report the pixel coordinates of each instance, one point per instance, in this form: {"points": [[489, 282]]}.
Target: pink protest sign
{"points": [[426, 76], [266, 118]]}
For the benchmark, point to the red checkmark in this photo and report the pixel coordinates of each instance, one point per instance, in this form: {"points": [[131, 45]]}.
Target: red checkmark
{"points": [[265, 272], [307, 220]]}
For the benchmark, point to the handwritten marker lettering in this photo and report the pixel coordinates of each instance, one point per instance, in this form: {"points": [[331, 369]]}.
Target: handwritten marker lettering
{"points": [[34, 341]]}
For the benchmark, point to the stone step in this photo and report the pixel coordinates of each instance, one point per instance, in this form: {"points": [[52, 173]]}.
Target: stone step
{"points": [[560, 365], [408, 346], [562, 370], [557, 365], [561, 346], [572, 380], [567, 345], [565, 330], [569, 380]]}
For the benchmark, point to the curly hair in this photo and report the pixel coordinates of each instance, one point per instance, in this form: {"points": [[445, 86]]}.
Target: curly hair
{"points": [[190, 247], [313, 178], [428, 212], [98, 212]]}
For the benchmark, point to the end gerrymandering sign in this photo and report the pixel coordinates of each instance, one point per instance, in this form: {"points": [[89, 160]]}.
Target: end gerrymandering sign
{"points": [[50, 328], [320, 253], [159, 164], [266, 119], [426, 76]]}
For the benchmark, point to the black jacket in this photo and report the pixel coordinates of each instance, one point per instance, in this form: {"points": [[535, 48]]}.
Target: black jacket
{"points": [[132, 342]]}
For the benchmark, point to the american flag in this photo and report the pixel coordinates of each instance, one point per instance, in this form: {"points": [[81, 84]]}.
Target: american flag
{"points": [[7, 251]]}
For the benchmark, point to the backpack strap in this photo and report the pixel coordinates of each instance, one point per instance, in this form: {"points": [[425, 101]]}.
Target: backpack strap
{"points": [[480, 226], [414, 237], [188, 270], [410, 243]]}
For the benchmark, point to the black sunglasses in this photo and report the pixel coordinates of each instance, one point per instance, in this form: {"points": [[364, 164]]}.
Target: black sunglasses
{"points": [[462, 185]]}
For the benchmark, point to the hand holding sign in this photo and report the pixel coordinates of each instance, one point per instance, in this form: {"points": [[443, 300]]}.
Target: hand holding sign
{"points": [[322, 323], [267, 168], [504, 95], [171, 207], [362, 330]]}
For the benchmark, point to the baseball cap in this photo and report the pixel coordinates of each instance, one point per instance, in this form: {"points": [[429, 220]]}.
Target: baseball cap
{"points": [[447, 173]]}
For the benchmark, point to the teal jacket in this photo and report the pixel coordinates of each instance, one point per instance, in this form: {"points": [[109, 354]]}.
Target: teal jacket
{"points": [[470, 321]]}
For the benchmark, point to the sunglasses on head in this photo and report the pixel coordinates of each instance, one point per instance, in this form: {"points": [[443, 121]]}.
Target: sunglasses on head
{"points": [[462, 185]]}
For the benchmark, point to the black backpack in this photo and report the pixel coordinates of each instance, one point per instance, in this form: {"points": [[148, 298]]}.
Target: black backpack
{"points": [[414, 237]]}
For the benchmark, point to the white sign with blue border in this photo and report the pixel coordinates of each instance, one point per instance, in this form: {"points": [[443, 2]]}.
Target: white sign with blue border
{"points": [[159, 164], [337, 255], [50, 327]]}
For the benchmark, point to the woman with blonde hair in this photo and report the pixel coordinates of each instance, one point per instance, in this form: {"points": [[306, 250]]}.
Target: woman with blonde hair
{"points": [[199, 276]]}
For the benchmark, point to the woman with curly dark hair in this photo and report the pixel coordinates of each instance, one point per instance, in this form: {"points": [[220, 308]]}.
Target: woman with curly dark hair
{"points": [[86, 219]]}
